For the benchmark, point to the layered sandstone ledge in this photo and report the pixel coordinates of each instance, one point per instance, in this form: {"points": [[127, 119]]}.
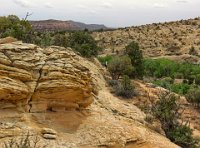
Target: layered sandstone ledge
{"points": [[43, 91], [33, 79]]}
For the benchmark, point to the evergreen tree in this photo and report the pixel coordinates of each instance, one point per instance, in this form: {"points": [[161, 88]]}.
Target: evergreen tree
{"points": [[136, 57]]}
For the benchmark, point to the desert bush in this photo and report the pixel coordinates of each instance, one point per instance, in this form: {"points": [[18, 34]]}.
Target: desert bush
{"points": [[26, 141], [167, 111], [119, 66], [193, 96], [125, 88], [197, 79], [84, 43], [60, 40], [11, 25], [182, 136], [113, 83], [162, 83], [192, 51], [105, 59], [46, 40], [136, 56]]}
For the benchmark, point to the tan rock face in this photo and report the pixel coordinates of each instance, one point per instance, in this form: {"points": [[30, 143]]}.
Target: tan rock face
{"points": [[49, 87], [34, 79]]}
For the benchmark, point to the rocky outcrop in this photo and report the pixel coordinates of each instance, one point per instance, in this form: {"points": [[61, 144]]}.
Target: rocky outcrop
{"points": [[36, 80], [45, 92]]}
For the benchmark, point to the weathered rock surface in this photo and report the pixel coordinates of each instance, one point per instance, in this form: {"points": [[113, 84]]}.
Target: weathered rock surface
{"points": [[48, 131], [43, 90], [49, 136], [34, 79]]}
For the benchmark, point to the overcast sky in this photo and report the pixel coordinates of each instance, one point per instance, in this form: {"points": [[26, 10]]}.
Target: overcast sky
{"points": [[112, 13]]}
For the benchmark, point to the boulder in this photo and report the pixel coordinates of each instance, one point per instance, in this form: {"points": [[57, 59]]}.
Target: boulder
{"points": [[48, 131], [33, 79], [49, 136]]}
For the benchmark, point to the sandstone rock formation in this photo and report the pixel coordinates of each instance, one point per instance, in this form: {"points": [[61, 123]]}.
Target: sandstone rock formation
{"points": [[46, 92], [36, 80]]}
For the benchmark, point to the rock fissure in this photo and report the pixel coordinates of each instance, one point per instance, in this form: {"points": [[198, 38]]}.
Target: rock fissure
{"points": [[8, 56], [35, 88]]}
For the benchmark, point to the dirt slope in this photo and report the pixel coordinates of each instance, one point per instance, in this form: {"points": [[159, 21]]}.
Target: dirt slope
{"points": [[162, 39]]}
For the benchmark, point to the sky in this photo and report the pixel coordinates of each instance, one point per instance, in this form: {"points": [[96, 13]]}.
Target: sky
{"points": [[112, 13]]}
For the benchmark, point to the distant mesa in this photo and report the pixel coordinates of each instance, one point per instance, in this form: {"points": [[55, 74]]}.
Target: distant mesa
{"points": [[58, 25]]}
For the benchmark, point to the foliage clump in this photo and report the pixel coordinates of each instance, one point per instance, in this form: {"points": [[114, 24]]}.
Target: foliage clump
{"points": [[168, 112], [84, 43], [159, 68], [123, 88], [136, 56], [11, 25], [120, 66], [193, 96]]}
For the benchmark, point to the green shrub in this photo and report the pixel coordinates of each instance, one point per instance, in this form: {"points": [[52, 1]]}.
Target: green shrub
{"points": [[182, 136], [60, 40], [125, 88], [180, 88], [197, 79], [113, 83], [136, 57], [162, 83], [168, 112], [166, 68], [13, 26], [185, 81], [193, 96], [46, 40], [119, 66], [105, 59], [191, 79], [84, 43]]}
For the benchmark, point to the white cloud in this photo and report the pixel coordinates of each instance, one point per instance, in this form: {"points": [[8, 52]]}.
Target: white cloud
{"points": [[159, 5], [107, 5], [83, 7], [48, 5], [92, 12], [23, 3], [182, 1]]}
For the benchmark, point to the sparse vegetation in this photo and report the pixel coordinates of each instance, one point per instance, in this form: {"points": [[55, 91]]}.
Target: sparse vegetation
{"points": [[26, 141], [105, 59], [168, 112], [123, 87], [193, 96]]}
